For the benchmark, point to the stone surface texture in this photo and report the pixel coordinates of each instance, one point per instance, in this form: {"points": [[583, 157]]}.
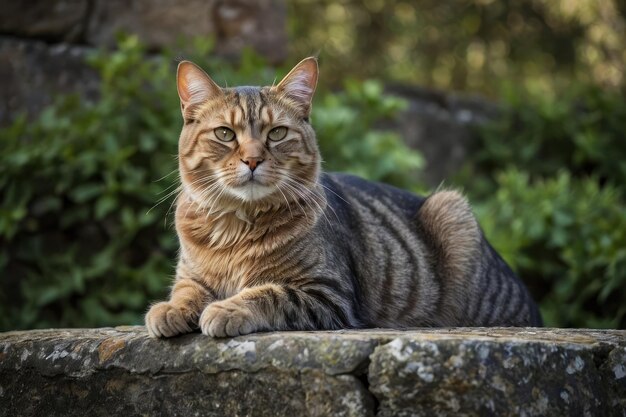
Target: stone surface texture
{"points": [[434, 372], [52, 20], [43, 42], [33, 74], [234, 24]]}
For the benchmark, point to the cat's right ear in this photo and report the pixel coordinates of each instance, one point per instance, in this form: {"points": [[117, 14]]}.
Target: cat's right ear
{"points": [[194, 85]]}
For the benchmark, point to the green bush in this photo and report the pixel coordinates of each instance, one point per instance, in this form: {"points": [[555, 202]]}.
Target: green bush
{"points": [[558, 212], [79, 244], [582, 131], [85, 237], [567, 238]]}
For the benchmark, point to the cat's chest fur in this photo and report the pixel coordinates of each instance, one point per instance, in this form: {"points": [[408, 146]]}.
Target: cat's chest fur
{"points": [[228, 253], [225, 271]]}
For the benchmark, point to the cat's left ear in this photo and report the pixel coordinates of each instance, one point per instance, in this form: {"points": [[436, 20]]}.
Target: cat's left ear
{"points": [[299, 85]]}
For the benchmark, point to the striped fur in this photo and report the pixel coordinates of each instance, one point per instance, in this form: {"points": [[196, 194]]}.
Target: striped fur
{"points": [[268, 242]]}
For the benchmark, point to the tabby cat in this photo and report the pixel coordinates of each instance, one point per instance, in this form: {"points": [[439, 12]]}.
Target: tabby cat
{"points": [[269, 242]]}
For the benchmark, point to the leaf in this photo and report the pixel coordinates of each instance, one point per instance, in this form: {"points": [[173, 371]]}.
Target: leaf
{"points": [[85, 192], [105, 205]]}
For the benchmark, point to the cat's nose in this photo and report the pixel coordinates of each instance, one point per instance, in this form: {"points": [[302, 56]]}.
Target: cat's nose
{"points": [[252, 162]]}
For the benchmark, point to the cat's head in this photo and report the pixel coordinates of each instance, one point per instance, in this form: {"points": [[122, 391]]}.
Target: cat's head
{"points": [[247, 145]]}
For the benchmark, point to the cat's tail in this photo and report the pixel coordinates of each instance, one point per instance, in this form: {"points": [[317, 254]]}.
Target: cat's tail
{"points": [[454, 237], [447, 219]]}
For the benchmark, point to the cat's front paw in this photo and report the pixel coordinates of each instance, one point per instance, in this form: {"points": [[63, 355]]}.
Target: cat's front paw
{"points": [[227, 318], [165, 320]]}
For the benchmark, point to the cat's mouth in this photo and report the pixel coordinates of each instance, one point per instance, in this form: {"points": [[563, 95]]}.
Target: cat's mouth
{"points": [[252, 190], [252, 179]]}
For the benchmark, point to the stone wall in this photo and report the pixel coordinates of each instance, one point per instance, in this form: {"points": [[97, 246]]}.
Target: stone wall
{"points": [[442, 126], [443, 372], [43, 42], [158, 23]]}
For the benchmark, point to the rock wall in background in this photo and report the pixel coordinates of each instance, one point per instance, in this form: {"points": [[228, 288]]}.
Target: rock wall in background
{"points": [[441, 125], [442, 372], [43, 42], [158, 23]]}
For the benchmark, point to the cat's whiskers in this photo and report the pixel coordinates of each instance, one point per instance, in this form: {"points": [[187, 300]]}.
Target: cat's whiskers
{"points": [[203, 199], [277, 180], [162, 199], [337, 195], [329, 205], [169, 187], [176, 184], [214, 201], [205, 184], [202, 202], [296, 199], [200, 187], [285, 197], [311, 194], [211, 180], [175, 170], [307, 197], [179, 188]]}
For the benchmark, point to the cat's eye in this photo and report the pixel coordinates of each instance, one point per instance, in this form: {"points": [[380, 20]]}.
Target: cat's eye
{"points": [[224, 134], [278, 133]]}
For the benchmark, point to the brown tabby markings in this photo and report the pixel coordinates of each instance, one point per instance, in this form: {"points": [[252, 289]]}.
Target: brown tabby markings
{"points": [[269, 243]]}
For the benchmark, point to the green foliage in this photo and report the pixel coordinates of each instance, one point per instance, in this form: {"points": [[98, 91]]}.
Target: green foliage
{"points": [[345, 127], [558, 212], [465, 45], [84, 240], [583, 131]]}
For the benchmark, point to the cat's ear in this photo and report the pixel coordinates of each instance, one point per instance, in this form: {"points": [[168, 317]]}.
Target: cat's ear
{"points": [[194, 85], [299, 85]]}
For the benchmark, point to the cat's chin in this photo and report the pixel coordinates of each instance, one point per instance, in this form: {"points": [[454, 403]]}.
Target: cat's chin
{"points": [[252, 191]]}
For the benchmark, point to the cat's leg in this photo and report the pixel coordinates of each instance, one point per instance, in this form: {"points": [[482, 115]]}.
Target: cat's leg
{"points": [[277, 307], [180, 314]]}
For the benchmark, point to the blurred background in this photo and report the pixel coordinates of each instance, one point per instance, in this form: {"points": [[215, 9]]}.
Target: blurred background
{"points": [[521, 104]]}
